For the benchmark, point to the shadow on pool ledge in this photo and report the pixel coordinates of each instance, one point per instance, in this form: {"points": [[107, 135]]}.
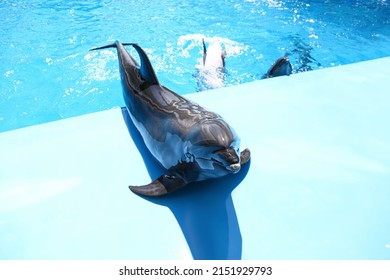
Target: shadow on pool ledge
{"points": [[204, 210]]}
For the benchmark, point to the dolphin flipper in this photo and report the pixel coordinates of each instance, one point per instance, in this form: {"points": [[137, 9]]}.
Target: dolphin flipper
{"points": [[245, 156], [169, 183], [178, 176], [204, 52], [162, 185]]}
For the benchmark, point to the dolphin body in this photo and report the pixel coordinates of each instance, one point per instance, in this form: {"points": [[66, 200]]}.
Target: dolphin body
{"points": [[192, 143]]}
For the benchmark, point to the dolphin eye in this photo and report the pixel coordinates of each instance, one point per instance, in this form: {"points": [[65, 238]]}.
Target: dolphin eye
{"points": [[229, 155], [226, 150]]}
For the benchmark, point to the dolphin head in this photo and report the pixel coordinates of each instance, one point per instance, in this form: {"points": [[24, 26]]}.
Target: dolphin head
{"points": [[215, 147], [281, 67]]}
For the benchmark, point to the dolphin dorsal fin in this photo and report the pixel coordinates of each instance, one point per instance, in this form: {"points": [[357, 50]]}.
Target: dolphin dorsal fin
{"points": [[146, 68]]}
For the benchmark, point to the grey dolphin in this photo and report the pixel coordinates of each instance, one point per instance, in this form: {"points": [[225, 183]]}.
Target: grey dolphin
{"points": [[192, 143], [281, 67]]}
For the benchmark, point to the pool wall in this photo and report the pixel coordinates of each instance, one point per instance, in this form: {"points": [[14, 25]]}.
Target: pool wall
{"points": [[317, 186]]}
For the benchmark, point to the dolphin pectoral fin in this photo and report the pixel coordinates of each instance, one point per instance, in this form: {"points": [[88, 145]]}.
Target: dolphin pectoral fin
{"points": [[162, 185], [245, 156], [204, 52], [155, 188]]}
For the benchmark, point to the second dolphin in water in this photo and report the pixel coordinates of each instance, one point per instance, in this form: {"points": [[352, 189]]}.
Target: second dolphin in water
{"points": [[211, 68], [281, 67], [192, 143]]}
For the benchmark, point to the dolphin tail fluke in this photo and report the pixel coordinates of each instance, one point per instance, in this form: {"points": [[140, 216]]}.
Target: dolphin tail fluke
{"points": [[146, 68], [114, 45], [162, 185], [104, 47]]}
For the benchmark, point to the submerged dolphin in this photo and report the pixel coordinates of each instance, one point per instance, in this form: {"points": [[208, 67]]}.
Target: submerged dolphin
{"points": [[281, 67], [211, 68], [192, 143]]}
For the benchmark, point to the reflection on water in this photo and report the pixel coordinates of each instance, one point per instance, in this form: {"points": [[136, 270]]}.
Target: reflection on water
{"points": [[204, 210], [300, 55]]}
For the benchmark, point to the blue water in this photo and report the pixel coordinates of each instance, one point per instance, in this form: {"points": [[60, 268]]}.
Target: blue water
{"points": [[47, 73]]}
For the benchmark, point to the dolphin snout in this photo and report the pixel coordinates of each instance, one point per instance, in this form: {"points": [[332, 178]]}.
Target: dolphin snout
{"points": [[235, 167]]}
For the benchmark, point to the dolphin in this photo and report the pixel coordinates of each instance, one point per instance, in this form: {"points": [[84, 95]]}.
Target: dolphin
{"points": [[281, 67], [211, 68], [214, 57], [190, 142]]}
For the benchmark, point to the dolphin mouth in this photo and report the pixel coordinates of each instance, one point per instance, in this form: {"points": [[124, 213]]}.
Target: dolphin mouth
{"points": [[235, 167]]}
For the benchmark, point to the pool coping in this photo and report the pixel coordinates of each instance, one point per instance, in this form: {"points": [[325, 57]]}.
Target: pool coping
{"points": [[315, 137]]}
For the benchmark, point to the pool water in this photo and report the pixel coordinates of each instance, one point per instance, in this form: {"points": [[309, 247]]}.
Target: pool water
{"points": [[47, 72]]}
